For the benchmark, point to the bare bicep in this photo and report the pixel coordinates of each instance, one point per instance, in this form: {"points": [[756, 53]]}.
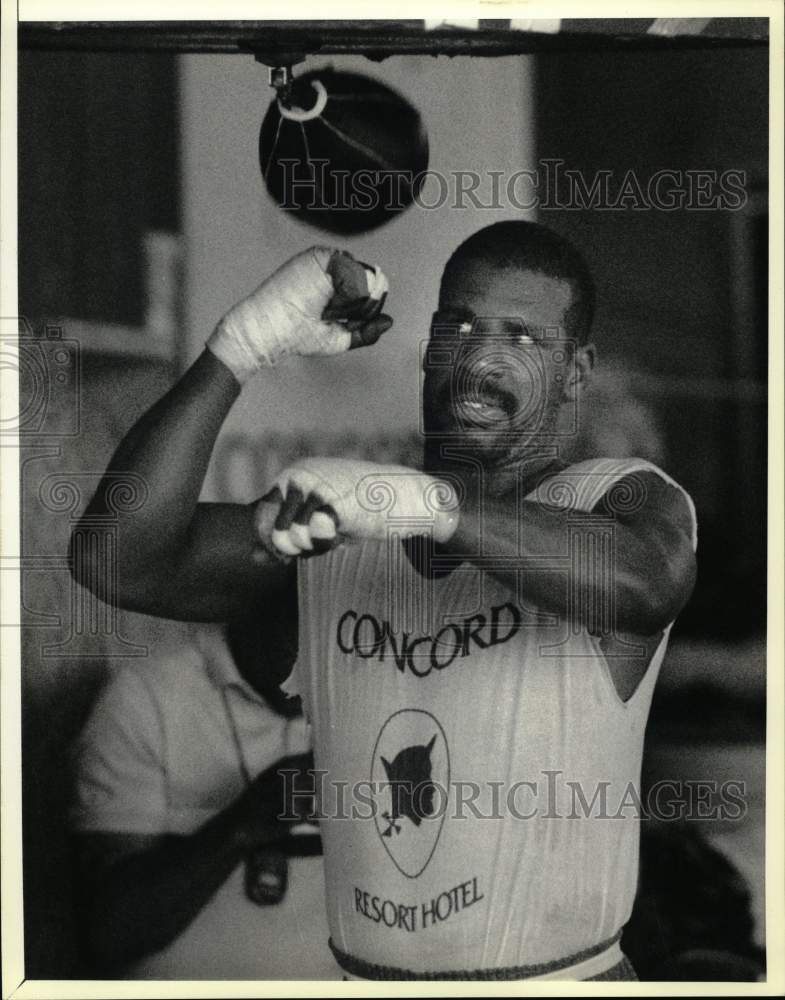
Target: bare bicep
{"points": [[654, 508], [656, 543]]}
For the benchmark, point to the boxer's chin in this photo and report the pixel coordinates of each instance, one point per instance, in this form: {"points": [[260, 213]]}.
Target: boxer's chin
{"points": [[474, 448]]}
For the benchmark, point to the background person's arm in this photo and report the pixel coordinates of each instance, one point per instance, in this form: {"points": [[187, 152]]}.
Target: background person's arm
{"points": [[139, 892]]}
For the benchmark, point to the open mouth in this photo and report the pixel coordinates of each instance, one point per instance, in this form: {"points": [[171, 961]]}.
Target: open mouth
{"points": [[484, 408]]}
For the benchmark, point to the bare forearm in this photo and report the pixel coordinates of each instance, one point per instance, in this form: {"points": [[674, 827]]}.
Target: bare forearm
{"points": [[145, 901], [532, 552]]}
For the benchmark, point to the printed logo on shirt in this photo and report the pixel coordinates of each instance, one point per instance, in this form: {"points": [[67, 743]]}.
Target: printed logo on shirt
{"points": [[366, 637], [410, 773]]}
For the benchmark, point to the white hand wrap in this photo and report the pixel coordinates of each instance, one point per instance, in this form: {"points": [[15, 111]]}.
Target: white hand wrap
{"points": [[284, 317], [368, 500]]}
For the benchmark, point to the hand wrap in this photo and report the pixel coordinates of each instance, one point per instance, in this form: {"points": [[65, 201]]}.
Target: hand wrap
{"points": [[317, 499], [320, 302]]}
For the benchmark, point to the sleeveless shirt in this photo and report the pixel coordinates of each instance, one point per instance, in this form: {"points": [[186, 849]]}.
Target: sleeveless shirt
{"points": [[478, 772]]}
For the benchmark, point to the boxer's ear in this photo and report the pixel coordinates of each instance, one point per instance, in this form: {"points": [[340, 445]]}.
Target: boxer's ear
{"points": [[582, 368]]}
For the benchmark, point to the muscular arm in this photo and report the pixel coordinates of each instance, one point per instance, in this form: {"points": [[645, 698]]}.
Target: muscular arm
{"points": [[200, 562], [652, 557], [178, 558]]}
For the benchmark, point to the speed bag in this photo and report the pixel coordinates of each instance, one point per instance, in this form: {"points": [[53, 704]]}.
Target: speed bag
{"points": [[344, 153]]}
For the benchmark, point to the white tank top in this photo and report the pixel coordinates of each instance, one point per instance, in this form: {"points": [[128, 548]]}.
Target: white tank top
{"points": [[470, 741]]}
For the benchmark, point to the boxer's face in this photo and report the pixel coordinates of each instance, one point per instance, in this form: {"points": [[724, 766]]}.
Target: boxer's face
{"points": [[496, 392]]}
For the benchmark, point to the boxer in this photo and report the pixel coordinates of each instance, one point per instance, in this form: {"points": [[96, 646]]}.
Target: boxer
{"points": [[478, 640]]}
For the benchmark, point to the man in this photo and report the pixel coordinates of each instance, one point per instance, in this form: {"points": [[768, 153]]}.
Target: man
{"points": [[488, 629], [183, 871]]}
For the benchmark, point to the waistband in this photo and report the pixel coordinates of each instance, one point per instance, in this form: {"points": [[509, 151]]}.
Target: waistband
{"points": [[582, 965]]}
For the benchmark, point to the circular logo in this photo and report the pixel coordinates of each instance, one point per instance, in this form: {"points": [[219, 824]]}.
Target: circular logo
{"points": [[410, 775]]}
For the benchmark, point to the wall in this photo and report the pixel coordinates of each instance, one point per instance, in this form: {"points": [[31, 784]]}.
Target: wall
{"points": [[478, 115]]}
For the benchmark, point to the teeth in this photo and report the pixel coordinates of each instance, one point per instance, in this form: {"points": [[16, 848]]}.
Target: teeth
{"points": [[478, 404], [484, 413]]}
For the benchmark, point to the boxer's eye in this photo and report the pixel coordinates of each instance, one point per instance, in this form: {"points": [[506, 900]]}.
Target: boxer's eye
{"points": [[506, 330], [450, 325], [449, 329]]}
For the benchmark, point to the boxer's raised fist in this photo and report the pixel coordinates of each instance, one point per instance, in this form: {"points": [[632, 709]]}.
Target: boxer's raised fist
{"points": [[319, 501], [320, 302]]}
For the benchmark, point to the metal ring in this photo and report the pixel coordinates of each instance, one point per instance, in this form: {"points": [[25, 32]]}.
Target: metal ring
{"points": [[298, 114]]}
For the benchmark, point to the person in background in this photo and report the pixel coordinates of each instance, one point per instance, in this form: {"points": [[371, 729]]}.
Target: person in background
{"points": [[185, 870]]}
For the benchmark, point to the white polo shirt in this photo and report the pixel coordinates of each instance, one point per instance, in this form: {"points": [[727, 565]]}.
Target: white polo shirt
{"points": [[160, 755]]}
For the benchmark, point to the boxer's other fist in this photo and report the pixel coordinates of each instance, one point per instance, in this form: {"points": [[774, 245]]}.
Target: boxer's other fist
{"points": [[320, 302], [320, 501]]}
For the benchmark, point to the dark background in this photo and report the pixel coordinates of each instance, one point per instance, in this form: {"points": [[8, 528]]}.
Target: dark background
{"points": [[673, 291]]}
